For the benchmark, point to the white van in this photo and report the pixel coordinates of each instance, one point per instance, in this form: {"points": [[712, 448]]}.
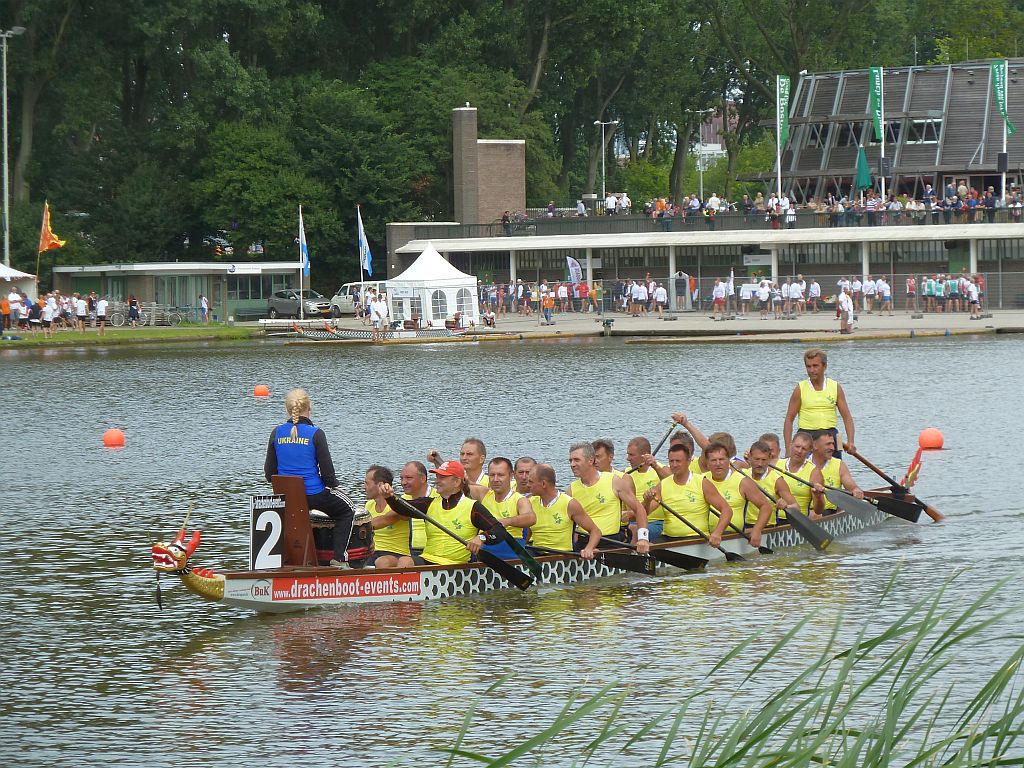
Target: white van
{"points": [[342, 303]]}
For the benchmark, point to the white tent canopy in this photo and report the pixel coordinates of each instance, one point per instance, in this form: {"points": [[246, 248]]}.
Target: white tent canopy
{"points": [[434, 290], [23, 281]]}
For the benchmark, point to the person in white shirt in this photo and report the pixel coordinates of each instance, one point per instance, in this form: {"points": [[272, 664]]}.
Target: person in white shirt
{"points": [[48, 315], [563, 297], [746, 294], [660, 299], [718, 294], [787, 297], [204, 308], [14, 299], [884, 293], [857, 292], [581, 209], [609, 204], [714, 203], [764, 294], [814, 294], [625, 204], [845, 312], [796, 295], [642, 298], [973, 298], [101, 313], [869, 294], [81, 312]]}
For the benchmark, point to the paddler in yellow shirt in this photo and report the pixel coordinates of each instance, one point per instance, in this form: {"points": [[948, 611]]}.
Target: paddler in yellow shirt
{"points": [[759, 457], [413, 478], [750, 507], [556, 514], [472, 454], [453, 508], [816, 400], [391, 531], [811, 501], [644, 472], [509, 507], [690, 495], [610, 501], [834, 471]]}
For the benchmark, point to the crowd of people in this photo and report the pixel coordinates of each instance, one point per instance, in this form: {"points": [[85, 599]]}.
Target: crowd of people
{"points": [[705, 488], [53, 311]]}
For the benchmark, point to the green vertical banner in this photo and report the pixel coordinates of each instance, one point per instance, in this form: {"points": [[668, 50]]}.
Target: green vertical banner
{"points": [[999, 86], [875, 91], [782, 108]]}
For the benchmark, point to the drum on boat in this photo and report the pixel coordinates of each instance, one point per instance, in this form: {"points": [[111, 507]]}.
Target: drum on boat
{"points": [[360, 543]]}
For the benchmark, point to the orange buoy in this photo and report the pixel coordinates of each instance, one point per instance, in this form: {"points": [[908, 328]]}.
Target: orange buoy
{"points": [[113, 438], [261, 390], [931, 439]]}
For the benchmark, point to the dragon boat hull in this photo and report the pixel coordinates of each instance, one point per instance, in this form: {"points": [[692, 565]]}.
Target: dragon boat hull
{"points": [[301, 588]]}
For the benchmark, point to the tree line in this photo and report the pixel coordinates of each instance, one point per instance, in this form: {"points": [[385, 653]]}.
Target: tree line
{"points": [[160, 128]]}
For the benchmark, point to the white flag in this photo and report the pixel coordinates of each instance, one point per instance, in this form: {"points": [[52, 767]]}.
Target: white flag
{"points": [[575, 270], [364, 247], [303, 248]]}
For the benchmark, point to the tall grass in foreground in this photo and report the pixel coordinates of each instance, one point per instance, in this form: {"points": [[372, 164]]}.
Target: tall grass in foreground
{"points": [[829, 713]]}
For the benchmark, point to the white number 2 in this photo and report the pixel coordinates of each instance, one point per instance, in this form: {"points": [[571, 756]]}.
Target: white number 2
{"points": [[264, 559]]}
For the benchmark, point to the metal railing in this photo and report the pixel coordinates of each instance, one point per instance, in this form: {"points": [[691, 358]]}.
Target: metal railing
{"points": [[698, 222]]}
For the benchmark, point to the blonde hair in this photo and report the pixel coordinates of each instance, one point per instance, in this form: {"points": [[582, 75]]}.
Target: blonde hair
{"points": [[297, 403]]}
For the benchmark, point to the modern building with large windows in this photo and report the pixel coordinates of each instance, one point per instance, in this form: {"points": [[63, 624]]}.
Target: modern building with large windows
{"points": [[236, 290], [942, 125]]}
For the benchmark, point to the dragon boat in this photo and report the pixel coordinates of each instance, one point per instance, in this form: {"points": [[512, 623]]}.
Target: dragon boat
{"points": [[326, 333], [288, 568]]}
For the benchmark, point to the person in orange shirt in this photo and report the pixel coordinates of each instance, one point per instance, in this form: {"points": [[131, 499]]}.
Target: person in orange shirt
{"points": [[548, 305], [5, 312]]}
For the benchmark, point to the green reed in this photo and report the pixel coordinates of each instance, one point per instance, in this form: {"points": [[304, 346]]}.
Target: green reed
{"points": [[828, 713]]}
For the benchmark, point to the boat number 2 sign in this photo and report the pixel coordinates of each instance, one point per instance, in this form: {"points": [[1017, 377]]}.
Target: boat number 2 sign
{"points": [[266, 526]]}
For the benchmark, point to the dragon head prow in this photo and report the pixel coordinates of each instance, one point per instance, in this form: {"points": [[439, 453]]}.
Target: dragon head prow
{"points": [[173, 557]]}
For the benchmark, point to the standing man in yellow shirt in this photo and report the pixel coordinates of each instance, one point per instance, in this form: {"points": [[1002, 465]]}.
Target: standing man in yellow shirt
{"points": [[817, 399]]}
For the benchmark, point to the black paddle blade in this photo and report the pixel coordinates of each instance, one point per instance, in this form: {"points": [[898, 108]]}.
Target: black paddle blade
{"points": [[510, 573], [849, 503], [731, 557], [635, 563], [678, 559], [813, 533], [525, 557], [902, 509], [766, 550]]}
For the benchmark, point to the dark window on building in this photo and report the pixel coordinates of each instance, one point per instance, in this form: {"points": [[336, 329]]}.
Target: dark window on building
{"points": [[849, 134], [923, 131]]}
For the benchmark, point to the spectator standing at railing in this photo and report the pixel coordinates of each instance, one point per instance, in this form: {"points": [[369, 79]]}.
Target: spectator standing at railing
{"points": [[911, 294], [989, 202], [869, 294], [609, 204], [747, 205], [506, 223], [581, 209], [551, 209], [1016, 208], [871, 207], [789, 208], [626, 204]]}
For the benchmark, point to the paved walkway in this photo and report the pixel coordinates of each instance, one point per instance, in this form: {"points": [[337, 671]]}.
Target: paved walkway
{"points": [[697, 327]]}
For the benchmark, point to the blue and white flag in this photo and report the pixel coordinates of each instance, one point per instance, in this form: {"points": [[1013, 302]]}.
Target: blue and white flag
{"points": [[575, 270], [303, 248], [364, 247]]}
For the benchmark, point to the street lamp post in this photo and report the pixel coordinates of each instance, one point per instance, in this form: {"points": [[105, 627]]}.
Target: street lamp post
{"points": [[4, 36], [604, 192], [700, 146]]}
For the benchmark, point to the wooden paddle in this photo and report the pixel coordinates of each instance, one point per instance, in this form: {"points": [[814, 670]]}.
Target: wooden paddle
{"points": [[741, 532], [812, 533], [509, 572], [898, 489], [666, 556], [657, 447], [732, 557], [636, 563], [863, 506]]}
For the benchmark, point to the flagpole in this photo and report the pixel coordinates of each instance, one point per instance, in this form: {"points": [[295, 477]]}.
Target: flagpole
{"points": [[1006, 97], [778, 143], [302, 265], [881, 105], [362, 276]]}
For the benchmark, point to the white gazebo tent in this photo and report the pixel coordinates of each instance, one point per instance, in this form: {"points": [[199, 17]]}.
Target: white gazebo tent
{"points": [[434, 290], [22, 281]]}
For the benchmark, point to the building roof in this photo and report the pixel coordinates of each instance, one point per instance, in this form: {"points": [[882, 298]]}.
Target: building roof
{"points": [[189, 267]]}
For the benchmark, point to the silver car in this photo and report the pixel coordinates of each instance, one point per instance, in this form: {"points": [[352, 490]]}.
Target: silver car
{"points": [[286, 304]]}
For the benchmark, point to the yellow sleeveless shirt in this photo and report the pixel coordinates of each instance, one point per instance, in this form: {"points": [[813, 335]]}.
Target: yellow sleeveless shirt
{"points": [[643, 481], [419, 528], [553, 528], [730, 490], [801, 492], [818, 406], [686, 500], [600, 502], [390, 538], [442, 549], [766, 484], [830, 473], [504, 509]]}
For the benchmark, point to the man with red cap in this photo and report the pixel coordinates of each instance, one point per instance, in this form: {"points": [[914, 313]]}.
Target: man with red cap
{"points": [[453, 508]]}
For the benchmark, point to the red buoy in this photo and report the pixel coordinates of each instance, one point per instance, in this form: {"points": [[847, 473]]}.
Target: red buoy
{"points": [[261, 390], [931, 439], [113, 438]]}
